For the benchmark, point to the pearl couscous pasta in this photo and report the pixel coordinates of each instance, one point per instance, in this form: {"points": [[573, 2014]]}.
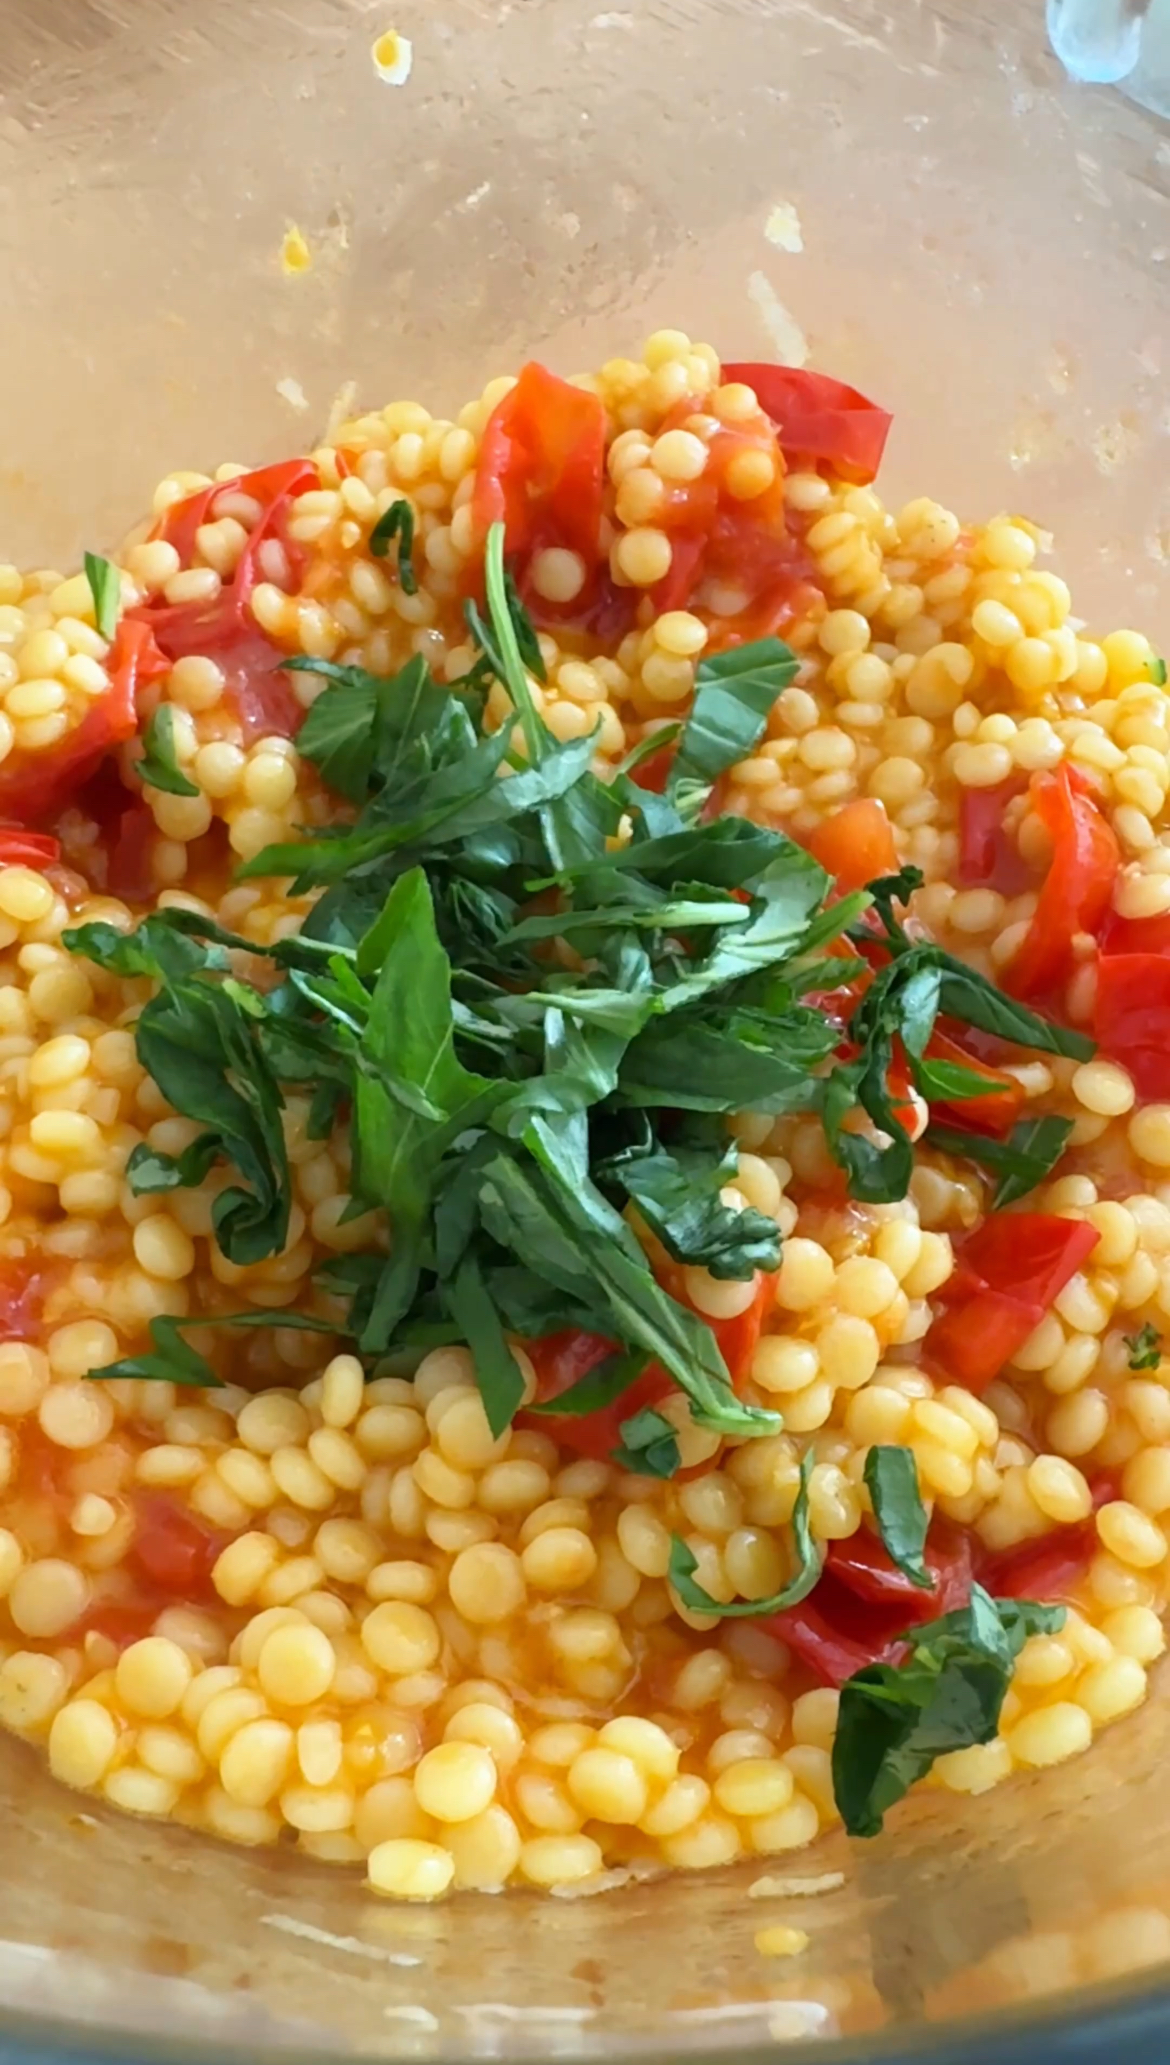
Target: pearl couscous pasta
{"points": [[585, 1141]]}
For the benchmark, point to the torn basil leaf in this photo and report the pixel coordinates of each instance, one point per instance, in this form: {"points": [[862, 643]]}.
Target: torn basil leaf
{"points": [[896, 1719], [891, 1479], [809, 1563], [158, 768]]}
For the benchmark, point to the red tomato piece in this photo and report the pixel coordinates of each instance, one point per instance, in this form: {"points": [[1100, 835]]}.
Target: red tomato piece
{"points": [[855, 845], [1048, 1568], [1134, 935], [819, 418], [988, 857], [207, 627], [39, 785], [1077, 888], [173, 1550], [541, 466], [225, 628], [814, 1635], [862, 1564], [1007, 1274], [1132, 1020], [27, 849], [561, 1360]]}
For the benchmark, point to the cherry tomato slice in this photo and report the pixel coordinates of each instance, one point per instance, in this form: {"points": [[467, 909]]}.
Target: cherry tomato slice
{"points": [[1132, 1018], [1077, 887], [27, 849], [855, 845], [541, 466], [819, 418], [1007, 1274]]}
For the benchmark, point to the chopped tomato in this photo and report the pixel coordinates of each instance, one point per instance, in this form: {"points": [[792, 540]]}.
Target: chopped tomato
{"points": [[39, 785], [1049, 1567], [1077, 888], [819, 418], [541, 466], [855, 845], [988, 855], [225, 628], [174, 1550], [207, 627], [1135, 935], [561, 1360], [1132, 1018], [816, 1635], [27, 849], [130, 874], [862, 1564], [1007, 1274]]}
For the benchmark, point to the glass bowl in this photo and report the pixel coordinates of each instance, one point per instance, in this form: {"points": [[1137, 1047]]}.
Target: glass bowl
{"points": [[986, 249]]}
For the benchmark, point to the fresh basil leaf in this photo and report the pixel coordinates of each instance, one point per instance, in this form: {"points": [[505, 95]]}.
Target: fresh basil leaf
{"points": [[649, 1445], [728, 1062], [158, 768], [734, 693], [896, 1720], [149, 1169], [809, 1564], [891, 1479], [1145, 1347], [172, 1360], [886, 891], [564, 1227], [678, 1195], [157, 947], [409, 1041], [397, 522], [497, 1372], [337, 730], [970, 997], [1031, 1151], [207, 1058], [1158, 672], [105, 586]]}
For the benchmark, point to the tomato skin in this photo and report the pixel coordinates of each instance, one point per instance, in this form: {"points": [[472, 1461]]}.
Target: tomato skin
{"points": [[862, 1564], [1077, 888], [225, 628], [39, 785], [855, 845], [1007, 1274], [1134, 935], [819, 418], [988, 858], [814, 1635], [1048, 1568], [541, 466], [1132, 1018], [27, 849]]}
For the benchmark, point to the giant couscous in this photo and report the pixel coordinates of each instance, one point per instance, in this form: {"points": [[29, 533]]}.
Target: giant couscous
{"points": [[585, 1143]]}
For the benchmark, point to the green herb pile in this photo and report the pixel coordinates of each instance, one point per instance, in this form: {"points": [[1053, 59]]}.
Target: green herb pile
{"points": [[536, 996]]}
